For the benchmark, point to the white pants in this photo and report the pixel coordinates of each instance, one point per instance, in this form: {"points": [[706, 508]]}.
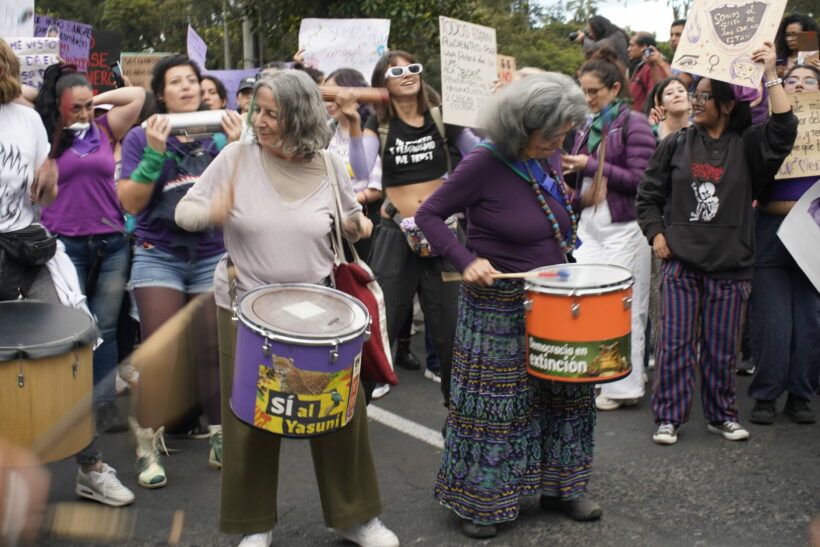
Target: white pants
{"points": [[620, 244]]}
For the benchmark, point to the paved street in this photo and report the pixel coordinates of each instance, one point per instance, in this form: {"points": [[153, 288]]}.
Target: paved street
{"points": [[703, 491]]}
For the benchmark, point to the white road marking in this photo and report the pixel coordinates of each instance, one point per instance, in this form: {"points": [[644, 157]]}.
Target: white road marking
{"points": [[408, 427]]}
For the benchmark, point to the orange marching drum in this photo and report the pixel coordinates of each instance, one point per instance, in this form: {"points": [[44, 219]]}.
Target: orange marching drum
{"points": [[578, 323]]}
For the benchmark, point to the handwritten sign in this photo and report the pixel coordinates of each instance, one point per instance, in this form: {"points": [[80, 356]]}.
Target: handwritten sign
{"points": [[468, 68], [75, 38], [197, 48], [138, 67], [231, 79], [720, 36], [800, 233], [804, 160], [106, 46], [505, 66], [17, 18], [35, 55], [331, 44]]}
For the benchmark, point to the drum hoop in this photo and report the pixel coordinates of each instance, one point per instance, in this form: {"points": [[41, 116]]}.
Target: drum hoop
{"points": [[588, 291], [302, 340]]}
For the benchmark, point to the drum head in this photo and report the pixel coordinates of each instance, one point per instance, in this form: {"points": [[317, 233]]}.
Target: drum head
{"points": [[580, 279], [32, 330], [303, 311]]}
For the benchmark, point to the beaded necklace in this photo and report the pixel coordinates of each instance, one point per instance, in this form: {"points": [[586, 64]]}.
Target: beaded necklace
{"points": [[566, 244]]}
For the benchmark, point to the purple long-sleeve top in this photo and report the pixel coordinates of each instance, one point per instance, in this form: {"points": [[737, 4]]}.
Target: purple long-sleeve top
{"points": [[505, 222]]}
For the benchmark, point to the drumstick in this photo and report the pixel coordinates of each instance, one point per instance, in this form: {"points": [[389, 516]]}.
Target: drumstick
{"points": [[455, 276], [89, 522]]}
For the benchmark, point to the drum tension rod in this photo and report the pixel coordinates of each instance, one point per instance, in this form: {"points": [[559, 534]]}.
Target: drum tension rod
{"points": [[20, 378], [76, 364], [266, 348], [575, 308], [334, 352]]}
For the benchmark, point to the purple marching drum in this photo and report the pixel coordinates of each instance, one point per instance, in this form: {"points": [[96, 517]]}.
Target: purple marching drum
{"points": [[298, 356]]}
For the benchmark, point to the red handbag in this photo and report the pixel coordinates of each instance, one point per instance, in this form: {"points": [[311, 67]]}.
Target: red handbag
{"points": [[357, 279]]}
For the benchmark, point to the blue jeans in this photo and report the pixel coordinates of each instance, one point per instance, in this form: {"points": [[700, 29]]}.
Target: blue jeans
{"points": [[785, 319], [102, 265]]}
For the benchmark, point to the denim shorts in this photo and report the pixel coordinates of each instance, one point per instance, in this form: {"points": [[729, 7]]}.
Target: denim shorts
{"points": [[156, 268]]}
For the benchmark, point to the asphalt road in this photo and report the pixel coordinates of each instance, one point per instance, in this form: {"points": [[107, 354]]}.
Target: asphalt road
{"points": [[702, 491]]}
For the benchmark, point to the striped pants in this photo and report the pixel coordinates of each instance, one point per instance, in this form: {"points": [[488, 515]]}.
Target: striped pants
{"points": [[700, 320]]}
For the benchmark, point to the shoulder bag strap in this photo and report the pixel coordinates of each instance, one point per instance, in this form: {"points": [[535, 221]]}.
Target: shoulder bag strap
{"points": [[435, 113], [336, 238]]}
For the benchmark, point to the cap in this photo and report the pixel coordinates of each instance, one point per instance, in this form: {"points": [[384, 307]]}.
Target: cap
{"points": [[246, 83]]}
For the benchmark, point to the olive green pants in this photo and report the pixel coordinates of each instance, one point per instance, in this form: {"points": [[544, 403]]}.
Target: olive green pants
{"points": [[342, 460]]}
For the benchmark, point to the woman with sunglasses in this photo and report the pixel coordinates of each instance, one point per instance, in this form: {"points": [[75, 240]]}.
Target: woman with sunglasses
{"points": [[785, 312], [694, 205], [416, 157], [608, 231]]}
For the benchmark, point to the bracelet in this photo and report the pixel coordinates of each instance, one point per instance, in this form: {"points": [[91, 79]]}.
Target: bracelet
{"points": [[773, 83]]}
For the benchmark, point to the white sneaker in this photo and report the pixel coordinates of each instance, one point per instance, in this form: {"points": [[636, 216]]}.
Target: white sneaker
{"points": [[602, 402], [149, 443], [120, 385], [380, 391], [103, 486], [431, 375], [666, 434], [370, 534], [262, 539]]}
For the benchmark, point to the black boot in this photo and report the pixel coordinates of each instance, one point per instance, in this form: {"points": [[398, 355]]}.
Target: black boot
{"points": [[579, 508], [405, 358], [799, 411]]}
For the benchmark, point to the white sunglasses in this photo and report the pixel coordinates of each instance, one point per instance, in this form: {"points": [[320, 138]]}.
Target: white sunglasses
{"points": [[399, 71]]}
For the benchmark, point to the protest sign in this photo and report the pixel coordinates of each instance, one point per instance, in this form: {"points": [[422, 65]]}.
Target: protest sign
{"points": [[800, 233], [106, 46], [17, 18], [804, 160], [506, 68], [75, 39], [720, 36], [331, 44], [468, 68], [35, 55], [197, 48], [137, 67], [231, 79]]}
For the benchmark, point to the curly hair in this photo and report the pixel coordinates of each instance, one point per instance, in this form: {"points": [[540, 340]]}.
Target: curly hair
{"points": [[806, 24], [10, 87], [52, 102]]}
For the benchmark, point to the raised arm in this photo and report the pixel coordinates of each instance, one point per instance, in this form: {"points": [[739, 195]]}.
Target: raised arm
{"points": [[363, 153], [127, 103]]}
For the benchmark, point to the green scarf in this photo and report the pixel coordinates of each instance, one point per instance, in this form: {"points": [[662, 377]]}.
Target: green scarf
{"points": [[602, 119]]}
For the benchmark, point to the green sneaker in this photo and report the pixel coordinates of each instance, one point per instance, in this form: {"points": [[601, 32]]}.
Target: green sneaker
{"points": [[149, 443], [215, 456]]}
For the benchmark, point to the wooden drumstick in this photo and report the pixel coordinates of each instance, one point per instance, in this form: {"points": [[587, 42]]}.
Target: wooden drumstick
{"points": [[456, 276], [89, 522]]}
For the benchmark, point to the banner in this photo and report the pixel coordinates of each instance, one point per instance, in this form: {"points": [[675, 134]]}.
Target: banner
{"points": [[800, 233], [75, 38], [231, 79], [506, 68], [331, 44], [197, 48], [468, 68], [137, 67], [17, 18], [35, 55], [804, 160], [106, 47]]}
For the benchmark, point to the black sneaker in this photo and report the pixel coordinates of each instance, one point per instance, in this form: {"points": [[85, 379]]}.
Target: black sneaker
{"points": [[191, 430], [799, 411], [763, 412], [746, 367], [405, 358], [580, 508], [109, 419]]}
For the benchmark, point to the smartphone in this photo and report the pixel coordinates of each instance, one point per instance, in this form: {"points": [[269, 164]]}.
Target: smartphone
{"points": [[117, 72], [648, 51]]}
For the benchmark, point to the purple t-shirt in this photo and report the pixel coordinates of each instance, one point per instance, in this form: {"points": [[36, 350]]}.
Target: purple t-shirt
{"points": [[505, 222], [156, 232], [791, 189], [87, 193]]}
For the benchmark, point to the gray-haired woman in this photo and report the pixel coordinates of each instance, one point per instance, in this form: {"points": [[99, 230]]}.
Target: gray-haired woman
{"points": [[510, 436], [273, 199]]}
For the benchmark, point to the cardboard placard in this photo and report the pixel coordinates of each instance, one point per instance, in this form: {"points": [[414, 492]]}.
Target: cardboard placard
{"points": [[106, 47], [75, 38], [804, 160], [720, 36], [331, 44], [35, 55], [137, 67], [506, 68], [468, 68], [800, 233], [17, 18]]}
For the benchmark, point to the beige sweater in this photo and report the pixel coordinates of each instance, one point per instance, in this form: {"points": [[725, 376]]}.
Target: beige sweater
{"points": [[281, 220]]}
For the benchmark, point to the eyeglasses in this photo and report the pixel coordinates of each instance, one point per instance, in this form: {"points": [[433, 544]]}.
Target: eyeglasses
{"points": [[399, 71], [592, 91], [700, 98], [794, 80]]}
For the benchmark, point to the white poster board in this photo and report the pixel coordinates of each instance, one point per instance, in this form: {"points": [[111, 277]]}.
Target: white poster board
{"points": [[800, 233], [17, 18], [35, 55], [720, 36], [468, 68], [804, 160], [330, 44]]}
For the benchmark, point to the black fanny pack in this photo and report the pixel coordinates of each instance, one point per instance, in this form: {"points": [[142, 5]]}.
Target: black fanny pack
{"points": [[30, 246]]}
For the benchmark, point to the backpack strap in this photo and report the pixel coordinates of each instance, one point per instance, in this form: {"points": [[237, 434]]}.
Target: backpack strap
{"points": [[383, 130], [435, 113]]}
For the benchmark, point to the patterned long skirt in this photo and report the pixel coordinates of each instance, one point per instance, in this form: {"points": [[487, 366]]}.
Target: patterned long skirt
{"points": [[508, 434]]}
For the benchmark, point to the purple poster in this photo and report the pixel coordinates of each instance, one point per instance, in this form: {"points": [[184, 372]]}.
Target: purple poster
{"points": [[197, 48], [231, 79], [75, 38]]}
